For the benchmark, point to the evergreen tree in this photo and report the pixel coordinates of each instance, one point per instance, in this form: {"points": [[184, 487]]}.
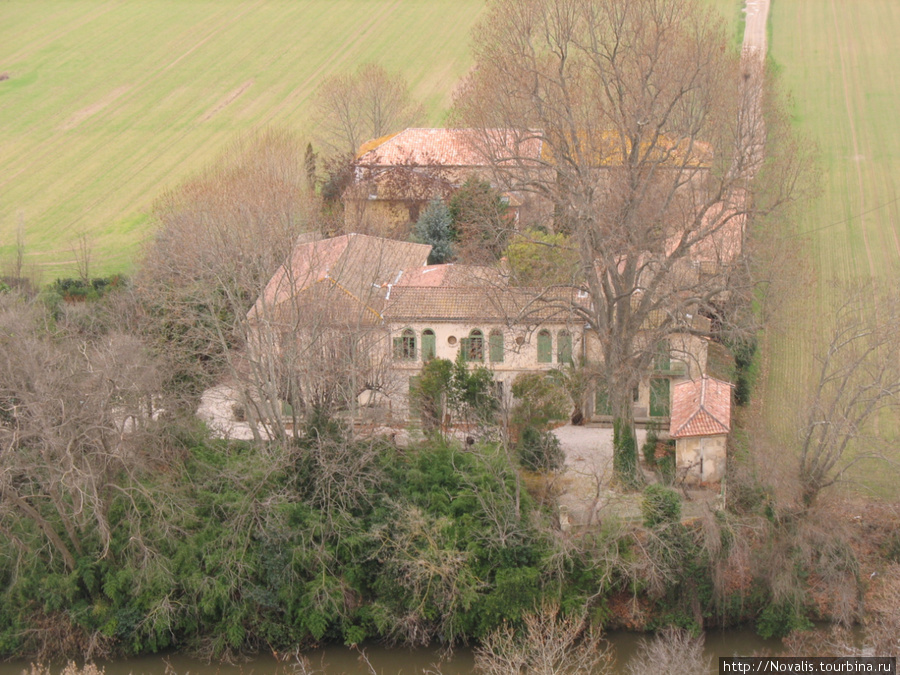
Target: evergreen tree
{"points": [[434, 227]]}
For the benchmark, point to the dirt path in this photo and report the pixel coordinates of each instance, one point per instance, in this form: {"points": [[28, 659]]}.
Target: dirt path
{"points": [[757, 13]]}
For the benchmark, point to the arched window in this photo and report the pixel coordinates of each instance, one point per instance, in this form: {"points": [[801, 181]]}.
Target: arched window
{"points": [[564, 347], [429, 345], [405, 346], [544, 347], [473, 346], [496, 345]]}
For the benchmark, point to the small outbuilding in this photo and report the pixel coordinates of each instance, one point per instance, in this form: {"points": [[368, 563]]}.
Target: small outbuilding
{"points": [[700, 424]]}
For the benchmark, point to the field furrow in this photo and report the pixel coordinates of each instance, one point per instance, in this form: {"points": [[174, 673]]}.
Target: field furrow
{"points": [[839, 61], [108, 104]]}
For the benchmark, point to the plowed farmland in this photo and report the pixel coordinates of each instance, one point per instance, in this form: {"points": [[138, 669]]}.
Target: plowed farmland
{"points": [[839, 59], [106, 104]]}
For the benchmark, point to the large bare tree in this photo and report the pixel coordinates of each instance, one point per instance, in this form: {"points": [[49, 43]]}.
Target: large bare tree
{"points": [[659, 154], [856, 381], [221, 237], [233, 296], [354, 107], [77, 422]]}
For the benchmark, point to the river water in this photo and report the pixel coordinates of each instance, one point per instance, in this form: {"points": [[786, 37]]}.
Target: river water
{"points": [[338, 660]]}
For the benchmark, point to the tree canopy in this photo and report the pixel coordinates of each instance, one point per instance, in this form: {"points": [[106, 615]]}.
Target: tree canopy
{"points": [[659, 152]]}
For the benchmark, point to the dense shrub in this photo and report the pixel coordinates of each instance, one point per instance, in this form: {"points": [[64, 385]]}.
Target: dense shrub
{"points": [[434, 227], [660, 506], [540, 450]]}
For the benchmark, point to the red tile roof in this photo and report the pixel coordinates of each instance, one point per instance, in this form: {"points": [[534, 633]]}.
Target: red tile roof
{"points": [[359, 264], [448, 275], [474, 303], [701, 408], [448, 148]]}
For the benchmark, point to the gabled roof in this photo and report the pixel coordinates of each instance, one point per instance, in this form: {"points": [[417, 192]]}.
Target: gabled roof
{"points": [[447, 148], [481, 304], [359, 265], [701, 408], [449, 275]]}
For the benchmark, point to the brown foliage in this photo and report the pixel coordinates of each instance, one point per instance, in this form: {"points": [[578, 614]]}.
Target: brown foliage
{"points": [[548, 644], [365, 104], [672, 651], [222, 236], [657, 158], [78, 409]]}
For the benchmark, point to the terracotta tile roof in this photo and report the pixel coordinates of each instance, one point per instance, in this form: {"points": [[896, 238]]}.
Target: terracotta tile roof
{"points": [[487, 303], [361, 265], [725, 244], [458, 276], [724, 221], [328, 303], [701, 408], [447, 147]]}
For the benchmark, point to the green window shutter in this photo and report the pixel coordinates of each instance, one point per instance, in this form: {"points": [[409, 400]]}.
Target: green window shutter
{"points": [[564, 348], [429, 346], [661, 359], [464, 347], [659, 397], [398, 348], [601, 401], [544, 347], [496, 343]]}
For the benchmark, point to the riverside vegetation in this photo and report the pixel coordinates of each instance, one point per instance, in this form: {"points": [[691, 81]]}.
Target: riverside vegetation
{"points": [[127, 529]]}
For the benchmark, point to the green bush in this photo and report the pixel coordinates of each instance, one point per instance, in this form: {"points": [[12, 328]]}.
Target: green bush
{"points": [[541, 399], [778, 620], [660, 506], [649, 447], [540, 450], [434, 227], [666, 466]]}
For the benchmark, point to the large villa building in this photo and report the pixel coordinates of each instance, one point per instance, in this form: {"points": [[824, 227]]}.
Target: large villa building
{"points": [[411, 312]]}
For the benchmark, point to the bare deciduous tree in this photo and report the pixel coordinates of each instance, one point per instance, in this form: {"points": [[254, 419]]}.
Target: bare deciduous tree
{"points": [[76, 422], [365, 104], [857, 376], [673, 651], [83, 251], [650, 160], [548, 644], [222, 236]]}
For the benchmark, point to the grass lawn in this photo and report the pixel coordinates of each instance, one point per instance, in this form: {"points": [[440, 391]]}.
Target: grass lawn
{"points": [[839, 60], [109, 103]]}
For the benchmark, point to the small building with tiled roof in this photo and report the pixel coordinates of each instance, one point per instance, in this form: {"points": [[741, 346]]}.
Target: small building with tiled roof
{"points": [[397, 175], [700, 424]]}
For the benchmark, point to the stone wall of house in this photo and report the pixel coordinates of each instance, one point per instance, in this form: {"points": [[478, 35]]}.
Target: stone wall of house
{"points": [[381, 217], [700, 459], [520, 350], [688, 357]]}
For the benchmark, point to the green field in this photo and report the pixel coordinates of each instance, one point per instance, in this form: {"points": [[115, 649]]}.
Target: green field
{"points": [[839, 60], [109, 103]]}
